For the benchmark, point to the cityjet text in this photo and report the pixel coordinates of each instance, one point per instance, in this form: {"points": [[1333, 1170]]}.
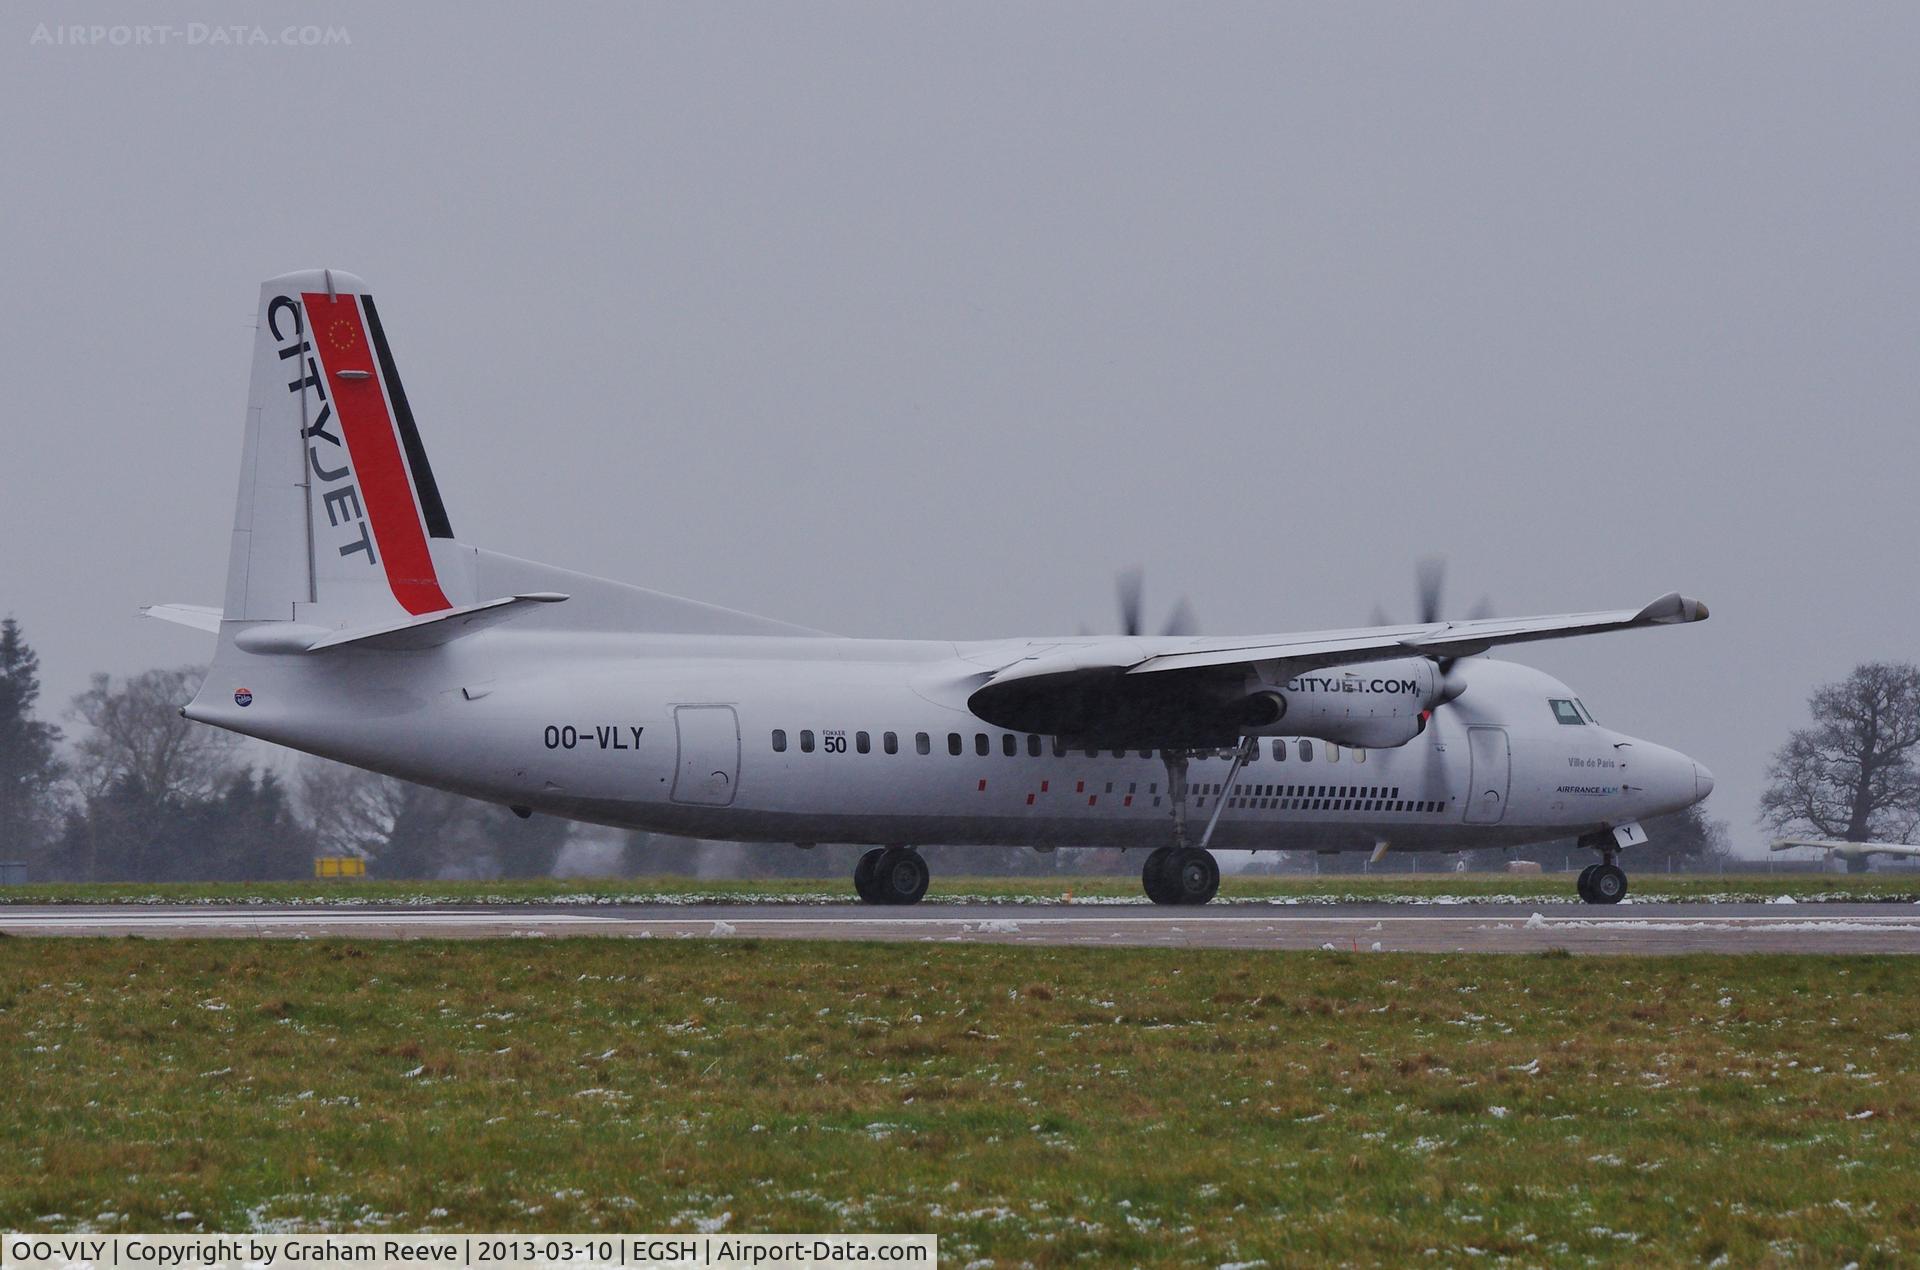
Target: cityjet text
{"points": [[1351, 683]]}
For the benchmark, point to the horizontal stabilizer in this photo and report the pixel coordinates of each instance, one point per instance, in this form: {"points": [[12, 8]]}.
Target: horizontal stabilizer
{"points": [[410, 635], [198, 616], [435, 629]]}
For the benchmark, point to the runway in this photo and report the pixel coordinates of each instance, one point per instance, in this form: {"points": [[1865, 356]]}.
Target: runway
{"points": [[1492, 928]]}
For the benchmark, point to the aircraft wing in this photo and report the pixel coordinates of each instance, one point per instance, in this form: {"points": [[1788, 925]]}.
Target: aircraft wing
{"points": [[1439, 639], [1848, 848], [1338, 648], [1125, 685]]}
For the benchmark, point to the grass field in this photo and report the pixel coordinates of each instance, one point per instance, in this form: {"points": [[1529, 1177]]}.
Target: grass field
{"points": [[1407, 887], [1046, 1106]]}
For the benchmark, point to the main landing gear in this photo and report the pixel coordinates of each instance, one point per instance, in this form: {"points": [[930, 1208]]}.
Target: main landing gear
{"points": [[891, 875], [1180, 874], [1606, 882]]}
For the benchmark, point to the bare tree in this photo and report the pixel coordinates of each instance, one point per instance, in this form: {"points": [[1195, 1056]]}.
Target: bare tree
{"points": [[161, 798], [351, 810], [1851, 776], [137, 737], [413, 831]]}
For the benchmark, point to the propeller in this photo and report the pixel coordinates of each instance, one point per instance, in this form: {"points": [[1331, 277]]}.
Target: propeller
{"points": [[1430, 576], [1131, 587]]}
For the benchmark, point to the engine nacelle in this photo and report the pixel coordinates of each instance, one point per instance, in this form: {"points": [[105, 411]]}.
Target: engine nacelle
{"points": [[1379, 705]]}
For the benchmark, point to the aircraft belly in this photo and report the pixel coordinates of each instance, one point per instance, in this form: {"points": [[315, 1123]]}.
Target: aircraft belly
{"points": [[926, 828]]}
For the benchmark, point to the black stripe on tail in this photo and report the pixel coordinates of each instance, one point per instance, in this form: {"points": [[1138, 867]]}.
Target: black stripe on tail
{"points": [[431, 508]]}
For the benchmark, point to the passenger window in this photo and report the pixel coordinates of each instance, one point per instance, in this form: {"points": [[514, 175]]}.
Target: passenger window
{"points": [[890, 742], [1333, 753], [862, 743], [1359, 755], [1010, 745], [922, 743], [1306, 751], [779, 740], [1279, 750], [980, 744], [1059, 748], [1564, 711], [1033, 745], [806, 740], [953, 744]]}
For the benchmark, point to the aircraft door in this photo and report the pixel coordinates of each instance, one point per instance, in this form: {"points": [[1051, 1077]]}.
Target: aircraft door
{"points": [[709, 764], [1492, 767]]}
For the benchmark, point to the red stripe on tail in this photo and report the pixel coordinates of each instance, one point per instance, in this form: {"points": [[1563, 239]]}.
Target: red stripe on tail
{"points": [[340, 338]]}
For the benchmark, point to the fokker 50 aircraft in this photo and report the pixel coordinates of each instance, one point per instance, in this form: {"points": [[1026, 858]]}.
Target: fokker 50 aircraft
{"points": [[356, 626]]}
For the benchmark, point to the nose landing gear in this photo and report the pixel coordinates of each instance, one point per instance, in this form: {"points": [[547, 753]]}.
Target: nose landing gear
{"points": [[1602, 884], [1606, 882]]}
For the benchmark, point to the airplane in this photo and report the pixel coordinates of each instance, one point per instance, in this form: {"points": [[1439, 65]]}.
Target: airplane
{"points": [[356, 626], [1855, 854]]}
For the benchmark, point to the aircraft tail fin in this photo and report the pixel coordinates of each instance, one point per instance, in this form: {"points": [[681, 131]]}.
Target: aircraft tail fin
{"points": [[340, 537], [338, 514]]}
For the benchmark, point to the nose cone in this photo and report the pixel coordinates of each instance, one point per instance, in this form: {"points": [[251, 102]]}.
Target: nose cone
{"points": [[1658, 780]]}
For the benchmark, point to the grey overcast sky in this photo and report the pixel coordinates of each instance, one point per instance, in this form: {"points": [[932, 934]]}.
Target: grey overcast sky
{"points": [[915, 320]]}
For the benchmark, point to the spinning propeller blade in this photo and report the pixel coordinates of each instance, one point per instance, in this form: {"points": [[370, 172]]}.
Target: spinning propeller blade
{"points": [[1130, 587]]}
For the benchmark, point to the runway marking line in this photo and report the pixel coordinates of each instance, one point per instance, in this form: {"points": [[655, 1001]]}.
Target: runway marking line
{"points": [[467, 917]]}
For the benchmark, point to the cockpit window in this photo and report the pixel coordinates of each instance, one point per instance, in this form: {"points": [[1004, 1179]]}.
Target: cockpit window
{"points": [[1564, 711], [1585, 711]]}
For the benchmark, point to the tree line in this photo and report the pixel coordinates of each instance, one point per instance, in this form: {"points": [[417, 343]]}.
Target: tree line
{"points": [[143, 794]]}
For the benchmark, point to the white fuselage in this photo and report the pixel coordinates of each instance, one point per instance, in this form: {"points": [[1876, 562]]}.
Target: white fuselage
{"points": [[779, 739]]}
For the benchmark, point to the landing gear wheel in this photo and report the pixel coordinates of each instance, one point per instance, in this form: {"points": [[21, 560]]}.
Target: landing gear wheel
{"points": [[863, 876], [900, 876], [1586, 881], [1156, 877], [1608, 885], [1196, 876], [1180, 875]]}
